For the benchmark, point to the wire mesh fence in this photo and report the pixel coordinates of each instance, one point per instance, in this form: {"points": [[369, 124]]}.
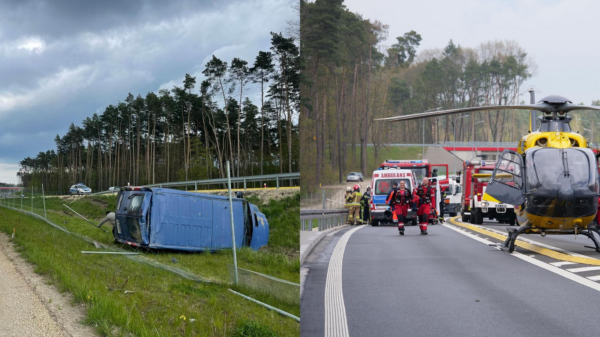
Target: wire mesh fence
{"points": [[281, 290]]}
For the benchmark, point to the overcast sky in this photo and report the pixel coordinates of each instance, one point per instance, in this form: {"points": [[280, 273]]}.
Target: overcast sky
{"points": [[63, 60], [560, 35]]}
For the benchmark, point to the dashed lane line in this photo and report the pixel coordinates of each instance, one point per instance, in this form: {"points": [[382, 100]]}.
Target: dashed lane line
{"points": [[556, 270], [530, 246], [336, 323]]}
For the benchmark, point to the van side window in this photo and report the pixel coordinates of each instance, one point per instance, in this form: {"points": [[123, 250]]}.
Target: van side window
{"points": [[255, 221]]}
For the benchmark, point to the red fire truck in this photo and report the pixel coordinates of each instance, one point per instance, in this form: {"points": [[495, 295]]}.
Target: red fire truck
{"points": [[476, 204], [420, 169]]}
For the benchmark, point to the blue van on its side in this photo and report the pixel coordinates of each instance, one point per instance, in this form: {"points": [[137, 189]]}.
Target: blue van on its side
{"points": [[162, 218]]}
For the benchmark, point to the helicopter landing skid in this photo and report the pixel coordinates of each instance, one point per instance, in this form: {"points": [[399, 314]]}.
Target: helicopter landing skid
{"points": [[512, 237], [590, 234]]}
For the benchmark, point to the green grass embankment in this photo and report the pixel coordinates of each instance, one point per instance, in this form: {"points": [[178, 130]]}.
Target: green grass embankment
{"points": [[162, 303]]}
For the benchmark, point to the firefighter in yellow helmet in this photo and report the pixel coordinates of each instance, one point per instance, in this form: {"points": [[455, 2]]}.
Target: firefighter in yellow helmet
{"points": [[355, 206], [348, 204]]}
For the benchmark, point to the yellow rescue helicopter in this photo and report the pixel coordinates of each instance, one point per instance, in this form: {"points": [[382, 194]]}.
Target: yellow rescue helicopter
{"points": [[552, 178]]}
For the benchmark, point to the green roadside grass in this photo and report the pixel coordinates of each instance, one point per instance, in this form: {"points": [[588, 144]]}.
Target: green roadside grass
{"points": [[161, 303]]}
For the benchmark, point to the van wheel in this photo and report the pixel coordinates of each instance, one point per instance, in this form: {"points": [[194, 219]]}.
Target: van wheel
{"points": [[375, 223], [413, 222], [465, 217]]}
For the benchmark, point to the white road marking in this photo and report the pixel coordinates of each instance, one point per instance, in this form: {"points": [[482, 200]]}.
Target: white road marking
{"points": [[562, 263], [581, 270], [336, 323], [573, 277], [537, 243], [594, 278]]}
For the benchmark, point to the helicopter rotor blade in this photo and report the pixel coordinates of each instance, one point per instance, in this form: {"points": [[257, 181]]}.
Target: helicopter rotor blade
{"points": [[544, 107], [572, 107], [541, 107]]}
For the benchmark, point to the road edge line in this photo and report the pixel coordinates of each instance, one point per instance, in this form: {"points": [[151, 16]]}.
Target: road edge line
{"points": [[534, 248], [336, 323]]}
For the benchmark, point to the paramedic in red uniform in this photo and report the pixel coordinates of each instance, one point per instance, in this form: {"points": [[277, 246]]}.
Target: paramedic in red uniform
{"points": [[399, 200], [424, 196]]}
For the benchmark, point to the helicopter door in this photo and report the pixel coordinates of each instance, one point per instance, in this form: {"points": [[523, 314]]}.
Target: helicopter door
{"points": [[507, 182]]}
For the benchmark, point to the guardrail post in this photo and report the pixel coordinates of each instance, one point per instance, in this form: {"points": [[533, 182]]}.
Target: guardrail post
{"points": [[278, 181], [196, 185], [244, 184], [323, 199]]}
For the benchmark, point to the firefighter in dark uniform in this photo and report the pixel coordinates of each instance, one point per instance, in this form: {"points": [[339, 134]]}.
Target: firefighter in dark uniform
{"points": [[442, 205], [399, 200], [364, 203], [424, 196]]}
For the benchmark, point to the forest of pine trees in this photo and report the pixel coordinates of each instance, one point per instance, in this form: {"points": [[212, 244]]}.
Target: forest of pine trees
{"points": [[186, 133], [351, 79]]}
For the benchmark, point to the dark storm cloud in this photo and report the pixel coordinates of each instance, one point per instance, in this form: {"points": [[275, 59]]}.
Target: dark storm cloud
{"points": [[62, 61], [59, 18]]}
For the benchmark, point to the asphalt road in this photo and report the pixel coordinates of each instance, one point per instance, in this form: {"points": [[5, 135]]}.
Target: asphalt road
{"points": [[448, 283]]}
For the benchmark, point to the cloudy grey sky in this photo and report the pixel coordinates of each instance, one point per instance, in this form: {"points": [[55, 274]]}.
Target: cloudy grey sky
{"points": [[63, 60], [560, 35]]}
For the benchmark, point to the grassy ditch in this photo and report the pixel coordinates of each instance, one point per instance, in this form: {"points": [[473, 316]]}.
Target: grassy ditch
{"points": [[161, 303]]}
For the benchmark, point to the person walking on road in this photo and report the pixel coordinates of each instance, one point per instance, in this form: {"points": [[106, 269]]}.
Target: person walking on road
{"points": [[424, 196], [399, 200]]}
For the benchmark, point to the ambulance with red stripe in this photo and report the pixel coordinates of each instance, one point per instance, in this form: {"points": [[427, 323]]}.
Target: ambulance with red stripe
{"points": [[382, 181]]}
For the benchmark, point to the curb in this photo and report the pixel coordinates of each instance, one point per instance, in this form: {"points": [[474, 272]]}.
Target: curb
{"points": [[313, 241]]}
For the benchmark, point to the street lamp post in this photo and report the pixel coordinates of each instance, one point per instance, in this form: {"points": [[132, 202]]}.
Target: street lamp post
{"points": [[457, 118], [475, 138]]}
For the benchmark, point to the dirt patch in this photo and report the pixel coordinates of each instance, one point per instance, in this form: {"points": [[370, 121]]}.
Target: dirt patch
{"points": [[265, 195], [31, 307]]}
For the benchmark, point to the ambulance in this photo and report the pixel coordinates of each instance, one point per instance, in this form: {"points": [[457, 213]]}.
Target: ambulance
{"points": [[382, 182]]}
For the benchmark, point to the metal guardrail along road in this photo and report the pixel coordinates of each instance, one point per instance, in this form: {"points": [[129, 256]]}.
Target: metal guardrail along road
{"points": [[268, 177], [326, 219]]}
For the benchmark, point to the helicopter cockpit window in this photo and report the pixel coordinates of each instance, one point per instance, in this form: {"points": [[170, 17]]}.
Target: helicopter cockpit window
{"points": [[546, 167]]}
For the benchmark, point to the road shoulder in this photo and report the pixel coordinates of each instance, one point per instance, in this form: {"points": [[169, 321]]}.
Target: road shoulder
{"points": [[32, 307]]}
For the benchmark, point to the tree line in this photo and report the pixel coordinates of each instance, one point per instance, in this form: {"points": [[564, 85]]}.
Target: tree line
{"points": [[350, 79], [188, 132]]}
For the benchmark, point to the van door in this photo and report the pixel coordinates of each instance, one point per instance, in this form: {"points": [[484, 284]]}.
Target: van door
{"points": [[132, 217]]}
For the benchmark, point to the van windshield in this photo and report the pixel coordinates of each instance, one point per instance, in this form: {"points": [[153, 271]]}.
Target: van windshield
{"points": [[384, 186]]}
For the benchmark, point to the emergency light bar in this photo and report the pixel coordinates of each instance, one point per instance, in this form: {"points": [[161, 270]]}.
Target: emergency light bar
{"points": [[394, 161]]}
